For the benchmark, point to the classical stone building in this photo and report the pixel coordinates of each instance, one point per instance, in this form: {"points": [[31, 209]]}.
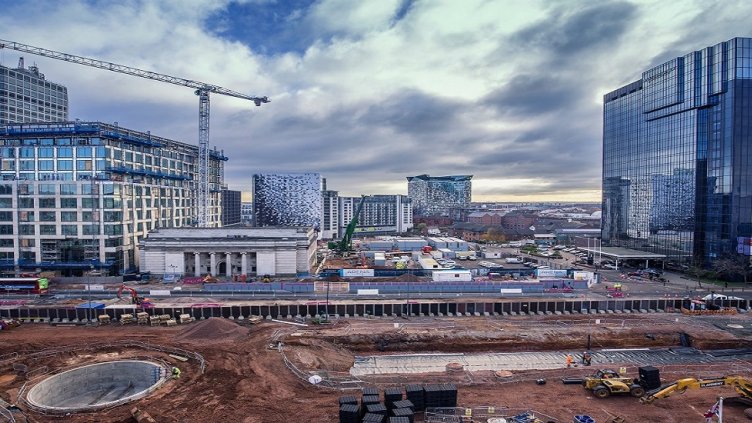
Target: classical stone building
{"points": [[229, 252]]}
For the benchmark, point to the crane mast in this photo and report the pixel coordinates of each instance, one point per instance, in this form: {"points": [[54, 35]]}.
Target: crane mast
{"points": [[202, 91]]}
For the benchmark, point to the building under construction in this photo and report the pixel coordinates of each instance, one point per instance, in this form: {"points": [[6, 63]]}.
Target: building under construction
{"points": [[79, 196]]}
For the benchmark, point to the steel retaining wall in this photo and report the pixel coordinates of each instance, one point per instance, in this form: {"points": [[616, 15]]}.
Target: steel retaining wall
{"points": [[373, 308]]}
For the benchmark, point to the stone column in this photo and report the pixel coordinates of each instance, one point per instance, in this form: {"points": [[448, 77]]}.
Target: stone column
{"points": [[244, 263], [213, 264], [228, 264], [197, 259]]}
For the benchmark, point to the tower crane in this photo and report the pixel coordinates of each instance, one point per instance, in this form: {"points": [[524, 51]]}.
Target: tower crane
{"points": [[202, 90]]}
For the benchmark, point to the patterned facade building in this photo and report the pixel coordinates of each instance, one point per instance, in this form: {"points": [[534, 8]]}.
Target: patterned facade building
{"points": [[677, 156], [287, 199], [81, 195], [438, 195], [26, 96]]}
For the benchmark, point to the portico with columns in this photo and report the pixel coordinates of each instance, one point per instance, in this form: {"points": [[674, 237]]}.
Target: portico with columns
{"points": [[229, 252]]}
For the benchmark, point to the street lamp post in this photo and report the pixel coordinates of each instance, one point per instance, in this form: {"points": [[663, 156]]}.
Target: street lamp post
{"points": [[326, 312], [88, 293]]}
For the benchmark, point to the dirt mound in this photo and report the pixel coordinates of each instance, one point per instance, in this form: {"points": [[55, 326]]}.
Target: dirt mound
{"points": [[213, 329]]}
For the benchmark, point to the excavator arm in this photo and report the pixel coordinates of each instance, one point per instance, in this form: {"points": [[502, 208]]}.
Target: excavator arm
{"points": [[742, 385], [134, 296]]}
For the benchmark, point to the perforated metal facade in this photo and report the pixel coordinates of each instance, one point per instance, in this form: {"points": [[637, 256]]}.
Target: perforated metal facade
{"points": [[287, 199]]}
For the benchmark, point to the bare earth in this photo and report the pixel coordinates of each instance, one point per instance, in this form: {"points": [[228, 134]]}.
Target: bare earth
{"points": [[247, 380]]}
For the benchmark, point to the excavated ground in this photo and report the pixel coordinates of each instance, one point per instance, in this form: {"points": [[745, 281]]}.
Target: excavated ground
{"points": [[247, 381]]}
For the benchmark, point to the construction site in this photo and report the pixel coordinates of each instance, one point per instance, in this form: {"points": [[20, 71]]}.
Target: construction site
{"points": [[265, 370]]}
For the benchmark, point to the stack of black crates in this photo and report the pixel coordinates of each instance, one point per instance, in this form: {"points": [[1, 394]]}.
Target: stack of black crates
{"points": [[349, 411], [395, 408], [650, 377], [416, 395], [441, 395]]}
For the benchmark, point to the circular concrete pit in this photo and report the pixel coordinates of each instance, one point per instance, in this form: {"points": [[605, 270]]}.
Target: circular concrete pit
{"points": [[97, 386]]}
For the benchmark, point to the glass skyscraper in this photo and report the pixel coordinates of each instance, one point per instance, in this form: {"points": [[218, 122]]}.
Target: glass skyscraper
{"points": [[677, 149], [437, 195]]}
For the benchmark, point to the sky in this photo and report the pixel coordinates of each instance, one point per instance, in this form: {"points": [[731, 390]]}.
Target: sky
{"points": [[369, 92]]}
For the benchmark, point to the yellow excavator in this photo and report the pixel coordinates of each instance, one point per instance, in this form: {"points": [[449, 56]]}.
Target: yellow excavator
{"points": [[742, 385]]}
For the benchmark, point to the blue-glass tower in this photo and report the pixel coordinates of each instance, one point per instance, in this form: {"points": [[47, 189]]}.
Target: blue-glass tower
{"points": [[677, 149]]}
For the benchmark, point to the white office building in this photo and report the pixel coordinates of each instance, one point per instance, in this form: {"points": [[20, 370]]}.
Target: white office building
{"points": [[81, 195], [26, 96]]}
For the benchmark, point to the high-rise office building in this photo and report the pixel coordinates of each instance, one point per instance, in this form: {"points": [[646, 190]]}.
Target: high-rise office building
{"points": [[330, 209], [437, 195], [381, 214], [230, 207], [25, 96], [287, 199], [83, 194], [677, 156]]}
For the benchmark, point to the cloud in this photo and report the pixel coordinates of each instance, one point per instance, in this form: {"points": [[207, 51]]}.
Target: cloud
{"points": [[369, 92]]}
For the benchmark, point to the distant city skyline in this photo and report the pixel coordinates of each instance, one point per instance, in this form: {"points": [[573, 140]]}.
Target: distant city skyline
{"points": [[370, 92]]}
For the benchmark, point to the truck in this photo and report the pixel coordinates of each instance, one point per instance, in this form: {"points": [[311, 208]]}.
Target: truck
{"points": [[513, 260]]}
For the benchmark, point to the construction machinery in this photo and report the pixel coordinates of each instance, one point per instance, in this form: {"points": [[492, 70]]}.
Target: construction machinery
{"points": [[606, 382], [202, 90], [135, 298], [701, 306], [742, 385], [6, 324], [344, 246]]}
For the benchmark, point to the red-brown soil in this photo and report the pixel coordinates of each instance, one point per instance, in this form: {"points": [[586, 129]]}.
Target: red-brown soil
{"points": [[246, 378]]}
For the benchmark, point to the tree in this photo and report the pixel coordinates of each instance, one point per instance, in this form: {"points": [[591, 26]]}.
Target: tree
{"points": [[422, 228], [733, 266]]}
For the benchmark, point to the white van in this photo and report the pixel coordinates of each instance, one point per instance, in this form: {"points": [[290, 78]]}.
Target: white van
{"points": [[719, 297]]}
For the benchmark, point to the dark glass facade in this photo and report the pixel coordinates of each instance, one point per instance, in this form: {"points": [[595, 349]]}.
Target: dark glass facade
{"points": [[676, 156], [230, 207]]}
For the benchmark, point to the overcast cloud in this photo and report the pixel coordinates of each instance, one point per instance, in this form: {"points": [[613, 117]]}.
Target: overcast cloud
{"points": [[372, 91]]}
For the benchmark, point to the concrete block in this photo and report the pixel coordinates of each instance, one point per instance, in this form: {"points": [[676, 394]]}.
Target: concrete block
{"points": [[505, 313], [642, 310], [347, 315], [567, 312], [601, 311], [557, 312], [513, 313], [231, 318], [268, 317], [241, 317], [609, 311], [476, 314], [485, 313]]}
